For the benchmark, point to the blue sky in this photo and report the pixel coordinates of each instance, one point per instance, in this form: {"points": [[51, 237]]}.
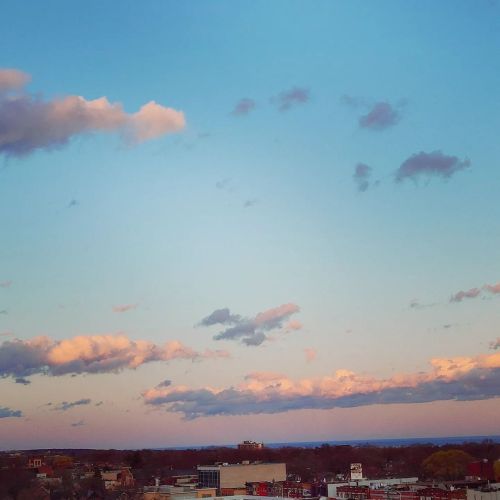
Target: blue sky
{"points": [[254, 211]]}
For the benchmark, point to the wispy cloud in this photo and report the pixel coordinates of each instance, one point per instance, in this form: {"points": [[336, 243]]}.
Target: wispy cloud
{"points": [[89, 354], [416, 304], [224, 184], [310, 353], [381, 116], [124, 308], [290, 98], [7, 412], [6, 284], [427, 165], [495, 344], [251, 331], [78, 424], [250, 202], [243, 107], [28, 123], [65, 405], [467, 294], [361, 176], [462, 378]]}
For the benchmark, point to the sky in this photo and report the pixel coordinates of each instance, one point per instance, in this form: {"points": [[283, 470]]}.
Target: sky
{"points": [[248, 220]]}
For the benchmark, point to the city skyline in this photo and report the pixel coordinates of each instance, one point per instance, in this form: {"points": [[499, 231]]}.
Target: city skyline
{"points": [[225, 222]]}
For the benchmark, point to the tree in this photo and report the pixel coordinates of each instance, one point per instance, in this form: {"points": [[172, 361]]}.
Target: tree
{"points": [[449, 464]]}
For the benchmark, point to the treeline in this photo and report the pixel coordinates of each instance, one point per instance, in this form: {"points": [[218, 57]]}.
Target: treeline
{"points": [[323, 462]]}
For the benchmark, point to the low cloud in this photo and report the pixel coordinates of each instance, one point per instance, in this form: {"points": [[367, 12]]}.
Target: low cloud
{"points": [[427, 165], [5, 284], [467, 294], [290, 98], [381, 116], [65, 405], [461, 379], [361, 176], [251, 331], [29, 123], [7, 412], [124, 308], [78, 424], [89, 354], [243, 107], [495, 344]]}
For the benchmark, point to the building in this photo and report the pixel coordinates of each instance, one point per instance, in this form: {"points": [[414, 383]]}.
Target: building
{"points": [[118, 478], [235, 476], [250, 445]]}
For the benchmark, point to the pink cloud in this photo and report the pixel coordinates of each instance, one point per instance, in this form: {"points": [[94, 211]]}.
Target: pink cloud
{"points": [[464, 378], [124, 308], [28, 123], [467, 294], [493, 288], [295, 324], [12, 79], [310, 354], [89, 354]]}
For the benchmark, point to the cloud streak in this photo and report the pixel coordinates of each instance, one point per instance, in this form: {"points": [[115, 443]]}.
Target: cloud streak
{"points": [[427, 165], [251, 331], [29, 123], [124, 308], [461, 378], [65, 405], [89, 354]]}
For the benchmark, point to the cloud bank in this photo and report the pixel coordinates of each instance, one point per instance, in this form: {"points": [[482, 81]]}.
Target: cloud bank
{"points": [[251, 331], [89, 354], [29, 123], [427, 165], [461, 378]]}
